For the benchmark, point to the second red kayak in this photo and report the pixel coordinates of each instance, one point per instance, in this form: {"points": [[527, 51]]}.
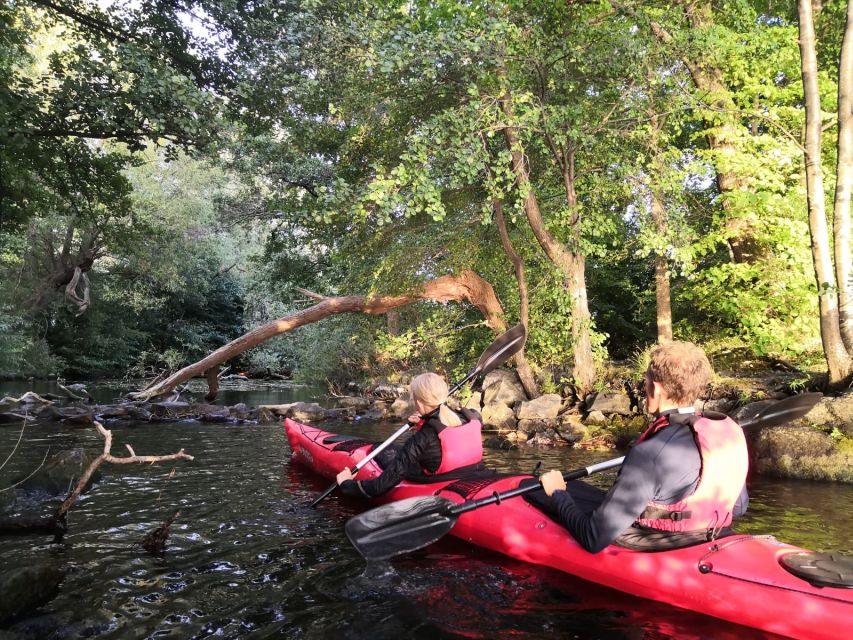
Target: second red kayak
{"points": [[740, 578]]}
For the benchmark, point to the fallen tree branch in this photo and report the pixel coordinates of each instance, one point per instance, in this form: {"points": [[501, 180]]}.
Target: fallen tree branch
{"points": [[57, 523], [30, 397], [106, 456], [71, 395], [465, 286]]}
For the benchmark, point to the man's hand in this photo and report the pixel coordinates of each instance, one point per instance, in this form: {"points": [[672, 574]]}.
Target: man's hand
{"points": [[344, 475], [553, 481]]}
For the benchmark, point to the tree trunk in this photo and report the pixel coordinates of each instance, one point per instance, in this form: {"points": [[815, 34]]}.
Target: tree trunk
{"points": [[528, 381], [392, 323], [63, 268], [844, 184], [570, 265], [465, 286], [838, 360], [663, 306], [662, 298]]}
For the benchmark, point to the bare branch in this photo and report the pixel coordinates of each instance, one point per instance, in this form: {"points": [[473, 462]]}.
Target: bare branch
{"points": [[310, 294], [32, 473]]}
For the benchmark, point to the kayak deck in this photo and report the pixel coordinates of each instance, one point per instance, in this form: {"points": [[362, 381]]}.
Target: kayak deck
{"points": [[737, 578]]}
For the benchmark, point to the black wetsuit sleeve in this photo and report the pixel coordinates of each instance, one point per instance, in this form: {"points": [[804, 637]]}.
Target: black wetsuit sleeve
{"points": [[417, 453], [353, 488], [626, 500]]}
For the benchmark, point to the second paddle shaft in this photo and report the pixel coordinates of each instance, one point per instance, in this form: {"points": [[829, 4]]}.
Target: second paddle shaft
{"points": [[496, 498]]}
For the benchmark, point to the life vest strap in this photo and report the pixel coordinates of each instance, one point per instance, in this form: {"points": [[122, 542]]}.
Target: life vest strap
{"points": [[658, 513]]}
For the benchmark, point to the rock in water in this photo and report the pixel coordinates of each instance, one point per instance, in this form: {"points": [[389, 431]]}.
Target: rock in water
{"points": [[27, 588]]}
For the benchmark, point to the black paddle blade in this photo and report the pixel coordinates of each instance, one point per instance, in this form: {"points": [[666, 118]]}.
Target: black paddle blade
{"points": [[400, 527], [502, 349], [787, 410]]}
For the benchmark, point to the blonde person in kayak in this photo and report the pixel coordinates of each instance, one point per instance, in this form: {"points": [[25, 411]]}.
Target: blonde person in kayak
{"points": [[680, 484], [445, 442]]}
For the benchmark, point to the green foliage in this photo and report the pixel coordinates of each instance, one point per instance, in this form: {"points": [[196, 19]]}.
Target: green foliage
{"points": [[434, 338], [21, 352], [336, 350], [360, 148]]}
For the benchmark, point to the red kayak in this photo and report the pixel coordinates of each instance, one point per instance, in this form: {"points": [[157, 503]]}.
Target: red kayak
{"points": [[745, 579]]}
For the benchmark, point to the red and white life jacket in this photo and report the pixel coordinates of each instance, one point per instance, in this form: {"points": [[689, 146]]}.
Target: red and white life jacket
{"points": [[460, 446], [725, 462]]}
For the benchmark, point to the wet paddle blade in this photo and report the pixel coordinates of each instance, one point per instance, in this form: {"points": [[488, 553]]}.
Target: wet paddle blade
{"points": [[787, 410], [502, 349], [400, 527]]}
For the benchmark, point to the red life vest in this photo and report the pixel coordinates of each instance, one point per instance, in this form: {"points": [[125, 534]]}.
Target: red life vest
{"points": [[725, 462], [460, 446]]}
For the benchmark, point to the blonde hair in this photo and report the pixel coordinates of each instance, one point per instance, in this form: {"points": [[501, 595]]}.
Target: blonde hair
{"points": [[682, 369], [431, 389]]}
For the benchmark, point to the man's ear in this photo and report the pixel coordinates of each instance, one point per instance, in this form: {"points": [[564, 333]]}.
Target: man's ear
{"points": [[657, 389]]}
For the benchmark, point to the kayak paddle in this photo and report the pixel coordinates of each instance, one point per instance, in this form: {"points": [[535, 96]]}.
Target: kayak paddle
{"points": [[411, 524], [505, 346]]}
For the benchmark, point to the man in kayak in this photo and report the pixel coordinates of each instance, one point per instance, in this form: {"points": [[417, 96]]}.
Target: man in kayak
{"points": [[444, 442], [680, 484]]}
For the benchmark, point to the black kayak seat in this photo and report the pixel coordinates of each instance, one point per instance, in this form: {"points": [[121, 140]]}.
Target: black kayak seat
{"points": [[345, 443], [820, 569]]}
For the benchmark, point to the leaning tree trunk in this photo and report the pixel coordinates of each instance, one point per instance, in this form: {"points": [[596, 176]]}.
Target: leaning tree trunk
{"points": [[524, 373], [465, 286], [571, 265], [838, 359]]}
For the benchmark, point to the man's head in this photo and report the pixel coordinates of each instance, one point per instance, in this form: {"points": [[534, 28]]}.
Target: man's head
{"points": [[678, 373]]}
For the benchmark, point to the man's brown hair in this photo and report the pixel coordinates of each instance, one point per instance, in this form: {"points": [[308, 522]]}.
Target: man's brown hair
{"points": [[682, 369]]}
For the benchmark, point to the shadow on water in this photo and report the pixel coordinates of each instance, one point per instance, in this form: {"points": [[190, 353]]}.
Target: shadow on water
{"points": [[248, 558]]}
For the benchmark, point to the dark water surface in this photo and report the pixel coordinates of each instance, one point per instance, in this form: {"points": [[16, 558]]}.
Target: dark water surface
{"points": [[246, 558]]}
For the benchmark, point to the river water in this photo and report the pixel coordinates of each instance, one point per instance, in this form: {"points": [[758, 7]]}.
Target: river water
{"points": [[246, 558]]}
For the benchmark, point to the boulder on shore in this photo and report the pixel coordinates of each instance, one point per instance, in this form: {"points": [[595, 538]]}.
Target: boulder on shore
{"points": [[502, 387], [499, 415], [610, 403], [544, 408]]}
